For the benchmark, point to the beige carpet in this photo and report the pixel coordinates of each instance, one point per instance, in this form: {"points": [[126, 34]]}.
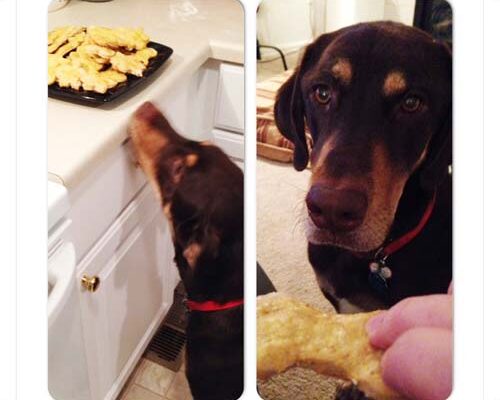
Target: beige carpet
{"points": [[281, 241], [282, 253]]}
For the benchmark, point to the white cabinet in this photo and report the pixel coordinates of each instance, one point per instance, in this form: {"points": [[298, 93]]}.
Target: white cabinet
{"points": [[133, 262], [230, 105], [101, 197], [232, 144], [229, 120]]}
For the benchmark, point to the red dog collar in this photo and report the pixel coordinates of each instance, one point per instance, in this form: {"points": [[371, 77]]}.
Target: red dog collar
{"points": [[380, 272], [207, 306], [409, 236]]}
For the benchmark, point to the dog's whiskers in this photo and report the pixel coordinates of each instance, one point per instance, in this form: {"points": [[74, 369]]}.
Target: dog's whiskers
{"points": [[301, 219]]}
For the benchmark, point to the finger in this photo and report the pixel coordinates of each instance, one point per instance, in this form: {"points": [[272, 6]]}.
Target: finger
{"points": [[424, 311], [419, 364], [450, 288]]}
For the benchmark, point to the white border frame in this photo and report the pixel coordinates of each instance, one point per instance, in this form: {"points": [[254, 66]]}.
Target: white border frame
{"points": [[467, 199], [29, 101], [491, 199], [8, 202]]}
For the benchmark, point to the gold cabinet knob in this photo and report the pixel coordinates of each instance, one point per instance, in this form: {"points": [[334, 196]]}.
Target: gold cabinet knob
{"points": [[90, 283]]}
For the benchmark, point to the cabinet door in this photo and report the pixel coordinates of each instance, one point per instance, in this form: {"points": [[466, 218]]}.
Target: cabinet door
{"points": [[232, 144], [137, 276], [230, 103]]}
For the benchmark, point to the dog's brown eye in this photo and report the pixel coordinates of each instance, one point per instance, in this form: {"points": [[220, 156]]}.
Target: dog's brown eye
{"points": [[322, 94], [411, 103]]}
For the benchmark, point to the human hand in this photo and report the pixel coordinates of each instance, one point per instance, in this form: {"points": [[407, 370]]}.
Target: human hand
{"points": [[416, 336]]}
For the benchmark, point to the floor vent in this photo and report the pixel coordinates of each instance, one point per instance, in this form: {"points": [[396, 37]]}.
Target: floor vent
{"points": [[167, 346]]}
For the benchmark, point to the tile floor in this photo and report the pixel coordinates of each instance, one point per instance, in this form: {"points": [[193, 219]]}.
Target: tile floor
{"points": [[151, 381], [267, 69]]}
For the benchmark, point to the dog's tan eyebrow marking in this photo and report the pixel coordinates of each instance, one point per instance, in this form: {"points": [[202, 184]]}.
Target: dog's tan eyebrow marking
{"points": [[191, 159], [342, 70], [394, 83]]}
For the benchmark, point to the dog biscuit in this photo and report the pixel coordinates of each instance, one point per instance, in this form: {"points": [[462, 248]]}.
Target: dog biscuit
{"points": [[290, 333], [67, 75], [54, 34], [145, 55], [130, 39], [72, 44], [101, 82], [99, 53], [60, 36], [89, 63], [53, 62], [128, 64], [96, 58]]}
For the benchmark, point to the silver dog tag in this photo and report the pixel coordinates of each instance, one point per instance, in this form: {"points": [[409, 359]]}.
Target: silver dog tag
{"points": [[378, 277]]}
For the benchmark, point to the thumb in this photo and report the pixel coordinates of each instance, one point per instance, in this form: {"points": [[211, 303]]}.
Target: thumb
{"points": [[423, 311], [419, 364]]}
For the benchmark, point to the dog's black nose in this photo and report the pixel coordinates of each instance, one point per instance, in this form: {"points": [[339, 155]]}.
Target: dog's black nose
{"points": [[336, 209]]}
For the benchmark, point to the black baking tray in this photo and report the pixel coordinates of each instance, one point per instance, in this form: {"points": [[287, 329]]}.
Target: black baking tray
{"points": [[93, 98]]}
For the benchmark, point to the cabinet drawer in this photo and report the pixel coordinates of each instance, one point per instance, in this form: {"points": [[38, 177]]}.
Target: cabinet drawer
{"points": [[102, 196], [230, 103], [134, 263], [232, 144]]}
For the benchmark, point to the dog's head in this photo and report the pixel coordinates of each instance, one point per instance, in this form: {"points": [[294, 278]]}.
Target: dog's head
{"points": [[376, 98], [200, 189]]}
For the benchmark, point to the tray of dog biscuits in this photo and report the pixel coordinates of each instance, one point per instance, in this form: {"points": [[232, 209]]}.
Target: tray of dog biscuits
{"points": [[95, 65]]}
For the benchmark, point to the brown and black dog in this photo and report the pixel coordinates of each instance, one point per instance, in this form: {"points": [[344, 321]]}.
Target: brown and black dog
{"points": [[201, 192], [377, 99]]}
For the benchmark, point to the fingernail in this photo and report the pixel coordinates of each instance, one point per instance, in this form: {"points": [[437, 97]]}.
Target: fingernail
{"points": [[374, 324]]}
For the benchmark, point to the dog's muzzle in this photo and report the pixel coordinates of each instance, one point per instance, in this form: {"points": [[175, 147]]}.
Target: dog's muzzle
{"points": [[336, 210]]}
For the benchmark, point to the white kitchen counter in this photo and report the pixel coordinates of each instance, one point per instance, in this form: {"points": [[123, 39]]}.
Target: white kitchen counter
{"points": [[79, 137]]}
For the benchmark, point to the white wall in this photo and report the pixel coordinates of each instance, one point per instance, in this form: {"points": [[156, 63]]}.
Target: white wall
{"points": [[290, 24], [340, 13], [285, 24], [400, 10]]}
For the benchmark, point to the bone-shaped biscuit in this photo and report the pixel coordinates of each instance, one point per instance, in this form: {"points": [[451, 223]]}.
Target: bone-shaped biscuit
{"points": [[54, 34], [72, 44], [60, 36], [101, 82], [78, 56], [100, 53], [290, 333], [79, 59], [128, 38], [145, 55], [67, 75], [54, 61], [128, 64]]}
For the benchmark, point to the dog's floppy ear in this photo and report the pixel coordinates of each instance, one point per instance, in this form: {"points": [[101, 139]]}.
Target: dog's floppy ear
{"points": [[439, 153], [289, 112], [289, 117]]}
